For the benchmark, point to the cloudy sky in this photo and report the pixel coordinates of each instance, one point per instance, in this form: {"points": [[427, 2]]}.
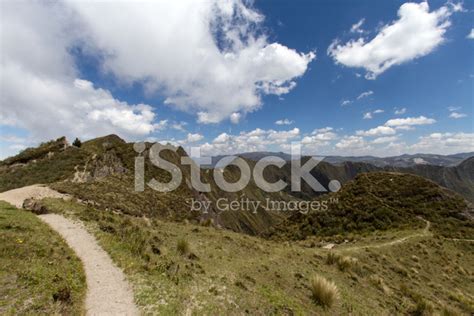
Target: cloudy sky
{"points": [[341, 77]]}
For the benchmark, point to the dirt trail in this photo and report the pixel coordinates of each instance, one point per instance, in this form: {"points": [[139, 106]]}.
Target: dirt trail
{"points": [[36, 191], [424, 233], [108, 292]]}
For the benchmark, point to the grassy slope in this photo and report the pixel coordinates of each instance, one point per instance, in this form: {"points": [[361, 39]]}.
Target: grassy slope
{"points": [[380, 201], [39, 274], [57, 167], [230, 273]]}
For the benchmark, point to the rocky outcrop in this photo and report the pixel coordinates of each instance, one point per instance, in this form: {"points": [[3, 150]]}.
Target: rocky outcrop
{"points": [[35, 206]]}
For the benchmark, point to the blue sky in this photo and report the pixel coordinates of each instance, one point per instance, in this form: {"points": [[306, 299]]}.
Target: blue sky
{"points": [[342, 77]]}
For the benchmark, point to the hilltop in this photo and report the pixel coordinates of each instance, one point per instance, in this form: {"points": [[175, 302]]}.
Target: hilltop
{"points": [[380, 201], [101, 172]]}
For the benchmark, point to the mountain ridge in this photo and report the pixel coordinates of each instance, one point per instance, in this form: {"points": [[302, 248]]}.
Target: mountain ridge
{"points": [[404, 160]]}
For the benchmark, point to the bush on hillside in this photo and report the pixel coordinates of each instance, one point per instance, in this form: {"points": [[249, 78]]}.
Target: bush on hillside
{"points": [[77, 142], [324, 292], [182, 246]]}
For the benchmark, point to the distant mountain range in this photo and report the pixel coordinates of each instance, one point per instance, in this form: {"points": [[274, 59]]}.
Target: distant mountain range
{"points": [[402, 161]]}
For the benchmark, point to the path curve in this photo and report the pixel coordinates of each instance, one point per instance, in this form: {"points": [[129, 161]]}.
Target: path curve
{"points": [[37, 191], [424, 233], [108, 292]]}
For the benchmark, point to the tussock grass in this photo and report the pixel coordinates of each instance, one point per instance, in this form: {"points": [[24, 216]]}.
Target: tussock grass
{"points": [[324, 292], [182, 246], [331, 258], [343, 263], [449, 312], [207, 222], [380, 283], [422, 308], [346, 263]]}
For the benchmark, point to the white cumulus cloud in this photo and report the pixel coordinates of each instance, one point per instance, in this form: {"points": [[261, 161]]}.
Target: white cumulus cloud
{"points": [[416, 33], [352, 143], [365, 94], [235, 117], [445, 143], [192, 138], [402, 123], [384, 139], [457, 115], [254, 140], [471, 34], [218, 64], [206, 57], [377, 131], [356, 28], [41, 90], [400, 111], [284, 122], [369, 115]]}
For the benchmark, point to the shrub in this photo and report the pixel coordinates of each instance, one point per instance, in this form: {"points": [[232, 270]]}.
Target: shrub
{"points": [[77, 142], [346, 263], [449, 312], [182, 246], [331, 258], [422, 308], [207, 222], [380, 283], [324, 292]]}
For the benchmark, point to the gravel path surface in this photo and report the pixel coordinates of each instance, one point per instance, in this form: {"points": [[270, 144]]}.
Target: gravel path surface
{"points": [[108, 292]]}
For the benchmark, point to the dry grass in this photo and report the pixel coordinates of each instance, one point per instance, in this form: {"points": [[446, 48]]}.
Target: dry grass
{"points": [[182, 246], [217, 280], [346, 263], [449, 312], [324, 292], [380, 283], [343, 263], [331, 258]]}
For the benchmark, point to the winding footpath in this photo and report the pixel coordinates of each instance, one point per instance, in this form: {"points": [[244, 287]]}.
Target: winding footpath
{"points": [[424, 233], [108, 292]]}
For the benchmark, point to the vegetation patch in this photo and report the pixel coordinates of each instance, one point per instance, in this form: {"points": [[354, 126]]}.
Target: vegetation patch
{"points": [[182, 247], [39, 273], [324, 292], [379, 201], [260, 276]]}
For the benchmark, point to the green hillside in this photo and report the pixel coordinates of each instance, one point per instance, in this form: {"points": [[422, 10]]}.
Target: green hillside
{"points": [[179, 268], [378, 201], [39, 273]]}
